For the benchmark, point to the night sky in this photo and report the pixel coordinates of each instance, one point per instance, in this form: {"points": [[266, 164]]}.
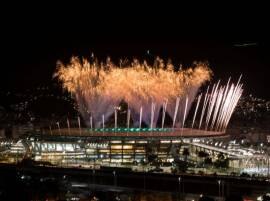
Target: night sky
{"points": [[32, 42]]}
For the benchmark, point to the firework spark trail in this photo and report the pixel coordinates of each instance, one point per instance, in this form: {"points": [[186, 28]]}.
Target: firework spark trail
{"points": [[208, 105], [128, 118], [228, 107], [212, 100], [206, 97], [214, 105], [197, 106], [235, 96], [91, 122], [185, 113], [164, 107], [79, 124], [191, 94], [235, 93], [235, 101], [175, 111], [103, 121], [68, 125], [99, 87], [222, 104], [219, 105], [153, 107], [141, 111], [225, 107], [115, 118]]}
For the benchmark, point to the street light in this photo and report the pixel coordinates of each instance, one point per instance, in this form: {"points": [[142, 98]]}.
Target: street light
{"points": [[219, 181], [268, 165], [58, 125], [144, 183], [179, 186], [94, 172], [114, 176]]}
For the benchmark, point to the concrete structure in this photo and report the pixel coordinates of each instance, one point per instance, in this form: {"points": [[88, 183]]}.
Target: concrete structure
{"points": [[70, 146]]}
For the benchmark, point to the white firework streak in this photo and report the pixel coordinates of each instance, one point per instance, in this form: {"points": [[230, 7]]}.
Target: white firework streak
{"points": [[79, 124], [222, 105], [115, 118], [217, 107], [197, 106], [235, 93], [225, 107], [231, 99], [164, 112], [206, 97], [238, 96], [141, 112], [68, 125], [185, 113], [103, 121], [176, 110], [91, 122], [211, 104], [153, 107], [128, 118]]}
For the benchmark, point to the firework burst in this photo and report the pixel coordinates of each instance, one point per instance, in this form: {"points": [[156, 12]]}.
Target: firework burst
{"points": [[99, 87]]}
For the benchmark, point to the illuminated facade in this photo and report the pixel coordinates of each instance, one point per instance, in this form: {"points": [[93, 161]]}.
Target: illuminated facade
{"points": [[71, 149]]}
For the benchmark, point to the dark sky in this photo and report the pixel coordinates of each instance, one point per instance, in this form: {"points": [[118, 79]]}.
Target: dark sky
{"points": [[32, 41]]}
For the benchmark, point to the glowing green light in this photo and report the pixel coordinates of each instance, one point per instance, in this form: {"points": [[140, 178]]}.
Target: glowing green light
{"points": [[130, 129]]}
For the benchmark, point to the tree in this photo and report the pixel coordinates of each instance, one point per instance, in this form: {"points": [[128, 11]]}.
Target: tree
{"points": [[151, 152], [208, 161], [234, 198], [266, 197], [221, 156], [152, 158], [203, 154], [157, 162], [181, 166], [205, 198], [174, 150], [185, 153], [221, 162]]}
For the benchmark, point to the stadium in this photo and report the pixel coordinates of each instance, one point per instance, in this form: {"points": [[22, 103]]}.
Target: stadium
{"points": [[157, 99]]}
